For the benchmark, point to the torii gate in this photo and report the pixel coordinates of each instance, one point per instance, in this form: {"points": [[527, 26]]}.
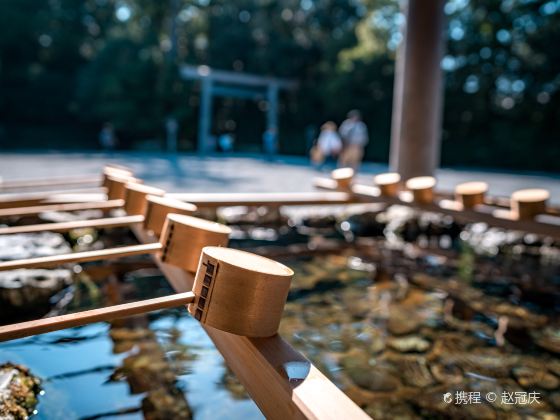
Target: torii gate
{"points": [[236, 85], [417, 94]]}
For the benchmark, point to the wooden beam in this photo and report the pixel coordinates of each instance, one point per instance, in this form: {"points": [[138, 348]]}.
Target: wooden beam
{"points": [[264, 199], [252, 94], [235, 78], [545, 224]]}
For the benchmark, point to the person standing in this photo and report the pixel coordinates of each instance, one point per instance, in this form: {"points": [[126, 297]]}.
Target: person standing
{"points": [[354, 139], [270, 142], [172, 129], [329, 145], [107, 137], [225, 142]]}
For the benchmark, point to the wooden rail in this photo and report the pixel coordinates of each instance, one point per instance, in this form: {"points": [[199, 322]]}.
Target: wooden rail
{"points": [[19, 184], [25, 199], [67, 180], [67, 198], [259, 364], [264, 199], [499, 216], [57, 202]]}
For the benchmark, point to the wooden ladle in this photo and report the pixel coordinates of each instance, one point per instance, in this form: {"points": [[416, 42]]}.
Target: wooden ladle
{"points": [[180, 243], [233, 291], [156, 210]]}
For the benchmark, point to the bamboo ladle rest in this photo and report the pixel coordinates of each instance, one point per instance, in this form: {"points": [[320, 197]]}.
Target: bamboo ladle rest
{"points": [[233, 291], [153, 219]]}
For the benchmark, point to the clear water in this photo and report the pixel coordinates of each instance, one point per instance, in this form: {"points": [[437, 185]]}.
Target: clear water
{"points": [[82, 368], [398, 329]]}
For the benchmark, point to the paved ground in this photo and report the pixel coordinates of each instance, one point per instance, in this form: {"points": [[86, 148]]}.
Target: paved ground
{"points": [[190, 173]]}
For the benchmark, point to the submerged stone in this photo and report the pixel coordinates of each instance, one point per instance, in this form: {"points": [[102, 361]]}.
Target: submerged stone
{"points": [[364, 224], [413, 369], [230, 382], [30, 245], [548, 338], [320, 222], [378, 378], [19, 390], [411, 343], [531, 378], [390, 410], [29, 292], [447, 373], [401, 323]]}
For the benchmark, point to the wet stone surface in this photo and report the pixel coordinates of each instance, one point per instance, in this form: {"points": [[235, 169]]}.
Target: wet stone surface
{"points": [[430, 307], [44, 244], [19, 391], [29, 292]]}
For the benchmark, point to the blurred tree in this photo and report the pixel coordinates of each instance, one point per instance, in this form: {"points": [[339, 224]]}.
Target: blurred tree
{"points": [[39, 55], [503, 75], [72, 65]]}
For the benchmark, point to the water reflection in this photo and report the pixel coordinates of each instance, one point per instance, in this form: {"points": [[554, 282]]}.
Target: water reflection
{"points": [[155, 366]]}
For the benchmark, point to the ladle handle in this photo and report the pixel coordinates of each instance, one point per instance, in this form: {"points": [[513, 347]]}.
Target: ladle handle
{"points": [[49, 182], [32, 210], [26, 329], [108, 222], [54, 260]]}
